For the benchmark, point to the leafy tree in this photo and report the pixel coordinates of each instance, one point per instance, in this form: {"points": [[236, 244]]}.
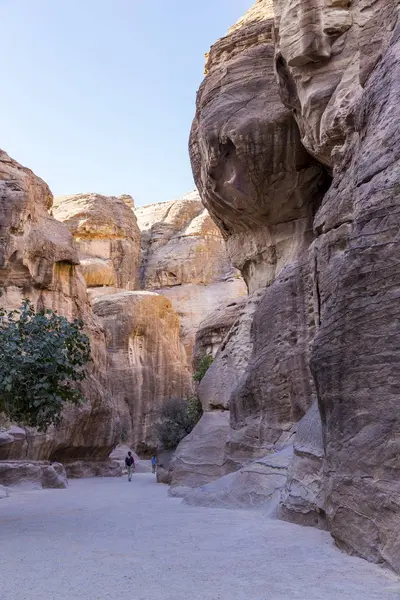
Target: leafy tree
{"points": [[42, 355], [204, 364], [178, 416]]}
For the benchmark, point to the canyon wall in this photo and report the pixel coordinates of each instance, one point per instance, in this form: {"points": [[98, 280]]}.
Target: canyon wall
{"points": [[184, 258], [294, 149], [81, 255], [38, 261]]}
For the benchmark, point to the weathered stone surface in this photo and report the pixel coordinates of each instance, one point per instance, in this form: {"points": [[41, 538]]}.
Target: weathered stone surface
{"points": [[246, 153], [356, 349], [106, 237], [200, 456], [233, 354], [256, 486], [26, 475], [184, 258], [326, 51], [94, 468], [303, 498], [38, 261], [277, 388], [146, 360], [165, 466]]}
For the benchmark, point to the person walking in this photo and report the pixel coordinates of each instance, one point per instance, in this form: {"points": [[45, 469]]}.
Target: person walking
{"points": [[130, 464], [153, 463]]}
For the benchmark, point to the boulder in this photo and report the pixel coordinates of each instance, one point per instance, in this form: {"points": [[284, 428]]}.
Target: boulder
{"points": [[256, 486], [95, 468], [303, 499], [200, 456], [32, 475]]}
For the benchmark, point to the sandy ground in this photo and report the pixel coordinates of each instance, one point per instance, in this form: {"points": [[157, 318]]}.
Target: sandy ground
{"points": [[106, 539]]}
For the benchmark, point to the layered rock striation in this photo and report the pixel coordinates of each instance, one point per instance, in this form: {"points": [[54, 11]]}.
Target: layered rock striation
{"points": [[294, 150], [106, 237], [184, 258]]}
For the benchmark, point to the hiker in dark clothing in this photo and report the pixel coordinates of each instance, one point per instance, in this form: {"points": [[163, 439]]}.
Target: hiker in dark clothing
{"points": [[130, 465]]}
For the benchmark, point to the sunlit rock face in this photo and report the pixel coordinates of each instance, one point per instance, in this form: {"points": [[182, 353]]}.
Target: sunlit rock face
{"points": [[38, 261], [184, 258], [106, 237], [147, 362]]}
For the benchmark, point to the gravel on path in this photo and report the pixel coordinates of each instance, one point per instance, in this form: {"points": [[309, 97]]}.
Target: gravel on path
{"points": [[108, 539]]}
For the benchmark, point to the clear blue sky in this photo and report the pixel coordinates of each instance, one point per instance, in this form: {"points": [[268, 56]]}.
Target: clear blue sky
{"points": [[98, 95]]}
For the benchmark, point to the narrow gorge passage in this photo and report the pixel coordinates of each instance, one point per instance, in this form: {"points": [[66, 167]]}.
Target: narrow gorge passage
{"points": [[110, 539]]}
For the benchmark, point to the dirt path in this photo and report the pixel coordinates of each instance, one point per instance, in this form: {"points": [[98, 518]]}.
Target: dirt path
{"points": [[106, 539]]}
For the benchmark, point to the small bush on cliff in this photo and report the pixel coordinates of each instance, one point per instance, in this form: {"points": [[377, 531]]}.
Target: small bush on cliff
{"points": [[41, 357], [205, 363], [178, 416]]}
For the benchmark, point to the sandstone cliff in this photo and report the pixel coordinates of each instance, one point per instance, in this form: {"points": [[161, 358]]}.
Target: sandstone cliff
{"points": [[184, 258], [146, 361], [294, 150], [38, 260], [106, 237]]}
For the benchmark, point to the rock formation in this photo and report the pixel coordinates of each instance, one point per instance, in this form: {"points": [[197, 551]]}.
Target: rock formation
{"points": [[147, 362], [106, 237], [38, 261], [184, 258], [294, 150]]}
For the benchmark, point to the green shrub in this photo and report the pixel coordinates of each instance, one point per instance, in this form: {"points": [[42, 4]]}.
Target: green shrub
{"points": [[204, 364], [178, 416], [41, 357]]}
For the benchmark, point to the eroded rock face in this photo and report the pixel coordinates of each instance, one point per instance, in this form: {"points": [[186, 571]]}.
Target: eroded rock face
{"points": [[184, 258], [147, 362], [326, 50], [357, 345], [344, 82], [106, 237], [200, 457], [246, 153], [331, 289], [38, 261]]}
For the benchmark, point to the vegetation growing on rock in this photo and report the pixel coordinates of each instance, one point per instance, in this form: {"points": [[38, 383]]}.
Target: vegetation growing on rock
{"points": [[205, 363], [42, 356], [178, 416]]}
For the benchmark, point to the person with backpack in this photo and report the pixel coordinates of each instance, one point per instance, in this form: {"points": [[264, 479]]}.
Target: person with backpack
{"points": [[130, 464], [153, 463]]}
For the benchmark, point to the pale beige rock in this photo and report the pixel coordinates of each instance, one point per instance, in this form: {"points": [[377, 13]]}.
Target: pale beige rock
{"points": [[146, 360], [194, 302], [38, 261], [233, 355], [184, 258], [106, 237]]}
